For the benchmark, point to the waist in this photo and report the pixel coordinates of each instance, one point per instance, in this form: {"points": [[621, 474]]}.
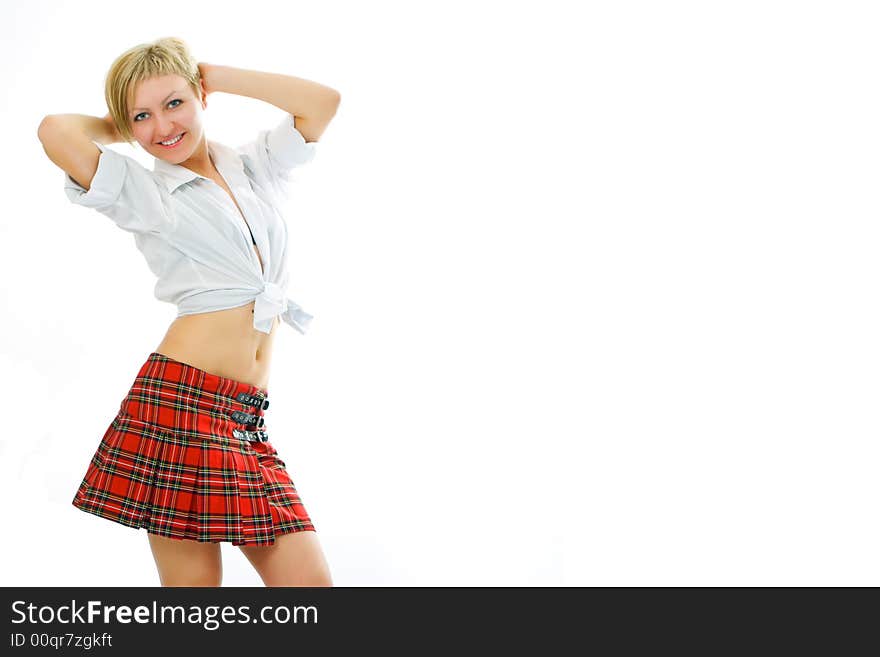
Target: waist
{"points": [[270, 303], [223, 342]]}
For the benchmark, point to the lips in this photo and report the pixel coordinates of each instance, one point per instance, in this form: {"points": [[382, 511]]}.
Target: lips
{"points": [[175, 144]]}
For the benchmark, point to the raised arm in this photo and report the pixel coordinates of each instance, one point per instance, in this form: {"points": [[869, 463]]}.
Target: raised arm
{"points": [[67, 140], [313, 104]]}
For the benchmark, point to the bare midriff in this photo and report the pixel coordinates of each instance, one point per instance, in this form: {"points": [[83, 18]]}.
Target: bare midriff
{"points": [[223, 342]]}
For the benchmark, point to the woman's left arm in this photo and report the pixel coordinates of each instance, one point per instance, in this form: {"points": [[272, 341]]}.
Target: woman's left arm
{"points": [[313, 104]]}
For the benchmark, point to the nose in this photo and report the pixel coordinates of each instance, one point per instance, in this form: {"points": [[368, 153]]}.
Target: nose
{"points": [[165, 130]]}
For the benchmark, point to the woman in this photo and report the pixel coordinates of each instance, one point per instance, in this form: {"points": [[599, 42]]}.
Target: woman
{"points": [[187, 457]]}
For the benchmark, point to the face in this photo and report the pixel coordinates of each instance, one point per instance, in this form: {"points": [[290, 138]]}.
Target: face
{"points": [[163, 108]]}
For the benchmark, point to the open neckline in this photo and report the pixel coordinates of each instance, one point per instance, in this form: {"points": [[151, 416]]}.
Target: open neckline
{"points": [[253, 247]]}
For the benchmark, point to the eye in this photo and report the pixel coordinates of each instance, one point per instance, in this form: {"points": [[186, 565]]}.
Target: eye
{"points": [[174, 100]]}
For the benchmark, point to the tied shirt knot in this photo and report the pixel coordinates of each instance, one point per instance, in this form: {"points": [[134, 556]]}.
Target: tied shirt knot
{"points": [[272, 302]]}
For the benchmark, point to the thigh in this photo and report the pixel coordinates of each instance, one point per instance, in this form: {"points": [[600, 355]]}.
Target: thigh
{"points": [[182, 562], [295, 559]]}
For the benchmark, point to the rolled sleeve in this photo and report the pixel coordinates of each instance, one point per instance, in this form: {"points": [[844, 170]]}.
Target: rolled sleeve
{"points": [[276, 152], [123, 190], [286, 147]]}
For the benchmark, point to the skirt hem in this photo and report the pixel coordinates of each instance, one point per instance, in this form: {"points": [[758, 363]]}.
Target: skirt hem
{"points": [[286, 529]]}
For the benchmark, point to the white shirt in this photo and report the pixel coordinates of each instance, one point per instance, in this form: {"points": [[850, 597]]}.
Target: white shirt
{"points": [[190, 232]]}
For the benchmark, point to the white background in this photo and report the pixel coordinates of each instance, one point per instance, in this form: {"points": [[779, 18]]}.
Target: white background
{"points": [[594, 290]]}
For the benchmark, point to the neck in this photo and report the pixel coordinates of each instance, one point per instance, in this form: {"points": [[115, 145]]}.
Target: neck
{"points": [[200, 161]]}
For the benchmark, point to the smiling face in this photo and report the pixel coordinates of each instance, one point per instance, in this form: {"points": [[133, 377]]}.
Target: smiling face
{"points": [[163, 108]]}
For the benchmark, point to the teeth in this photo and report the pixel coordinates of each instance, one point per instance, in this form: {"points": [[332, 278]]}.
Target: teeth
{"points": [[175, 140]]}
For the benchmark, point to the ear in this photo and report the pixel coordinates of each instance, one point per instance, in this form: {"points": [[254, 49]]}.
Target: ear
{"points": [[204, 92]]}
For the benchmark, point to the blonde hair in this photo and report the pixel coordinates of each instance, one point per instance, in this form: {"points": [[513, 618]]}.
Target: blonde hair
{"points": [[165, 56]]}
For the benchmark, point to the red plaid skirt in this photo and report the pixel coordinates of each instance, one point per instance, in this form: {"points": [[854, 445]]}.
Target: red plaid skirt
{"points": [[172, 461]]}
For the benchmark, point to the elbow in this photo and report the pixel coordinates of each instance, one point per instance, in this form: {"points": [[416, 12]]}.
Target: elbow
{"points": [[332, 103], [44, 126], [47, 126]]}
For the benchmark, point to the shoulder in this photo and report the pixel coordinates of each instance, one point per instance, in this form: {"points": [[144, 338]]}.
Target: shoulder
{"points": [[119, 179]]}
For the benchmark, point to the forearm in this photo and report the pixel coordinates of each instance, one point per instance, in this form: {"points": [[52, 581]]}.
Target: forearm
{"points": [[294, 95], [101, 130]]}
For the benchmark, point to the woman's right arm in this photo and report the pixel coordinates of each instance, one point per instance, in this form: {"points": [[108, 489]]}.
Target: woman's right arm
{"points": [[67, 140]]}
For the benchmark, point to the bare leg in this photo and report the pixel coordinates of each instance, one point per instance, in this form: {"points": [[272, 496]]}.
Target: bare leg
{"points": [[295, 559], [183, 562]]}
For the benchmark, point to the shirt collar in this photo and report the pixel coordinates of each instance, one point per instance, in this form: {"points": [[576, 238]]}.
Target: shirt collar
{"points": [[226, 159]]}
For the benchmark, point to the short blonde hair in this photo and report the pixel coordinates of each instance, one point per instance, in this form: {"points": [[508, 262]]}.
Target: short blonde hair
{"points": [[165, 56]]}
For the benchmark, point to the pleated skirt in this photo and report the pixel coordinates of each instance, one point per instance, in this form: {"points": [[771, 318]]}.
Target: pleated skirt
{"points": [[174, 461]]}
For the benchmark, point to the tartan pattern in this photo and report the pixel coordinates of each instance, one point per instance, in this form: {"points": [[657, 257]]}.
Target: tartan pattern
{"points": [[171, 462]]}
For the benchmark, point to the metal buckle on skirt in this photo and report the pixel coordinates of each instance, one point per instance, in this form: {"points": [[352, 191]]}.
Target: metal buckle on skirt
{"points": [[259, 436], [247, 418], [253, 400]]}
